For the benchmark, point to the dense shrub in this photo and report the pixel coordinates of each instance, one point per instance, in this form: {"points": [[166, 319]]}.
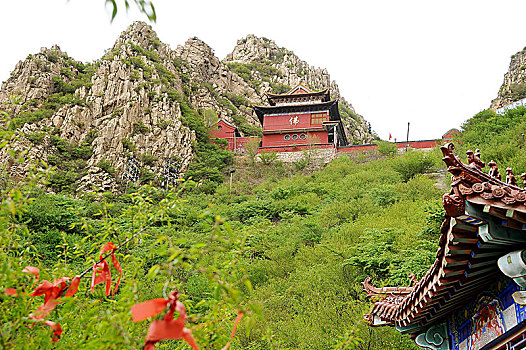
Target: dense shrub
{"points": [[148, 159], [383, 195], [128, 145], [36, 138], [412, 163], [268, 158], [140, 128], [498, 136], [63, 180], [238, 100], [387, 149], [106, 166]]}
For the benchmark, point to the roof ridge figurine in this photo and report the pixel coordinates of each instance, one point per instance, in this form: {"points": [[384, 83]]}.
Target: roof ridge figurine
{"points": [[474, 159], [494, 170]]}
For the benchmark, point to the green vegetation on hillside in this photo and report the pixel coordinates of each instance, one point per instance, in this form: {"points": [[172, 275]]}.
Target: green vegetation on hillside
{"points": [[498, 137], [292, 254]]}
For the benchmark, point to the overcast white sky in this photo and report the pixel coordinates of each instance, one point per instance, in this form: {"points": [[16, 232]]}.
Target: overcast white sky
{"points": [[431, 63]]}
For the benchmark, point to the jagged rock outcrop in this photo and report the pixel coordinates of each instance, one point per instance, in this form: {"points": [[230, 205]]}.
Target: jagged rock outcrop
{"points": [[122, 108], [514, 86], [269, 68], [145, 100], [32, 79], [219, 89]]}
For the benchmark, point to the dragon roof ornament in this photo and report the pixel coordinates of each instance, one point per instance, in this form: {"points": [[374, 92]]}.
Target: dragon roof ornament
{"points": [[470, 182]]}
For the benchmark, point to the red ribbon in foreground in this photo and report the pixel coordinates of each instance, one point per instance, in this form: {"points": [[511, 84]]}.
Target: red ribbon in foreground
{"points": [[238, 318], [168, 328], [57, 330], [51, 292], [55, 327], [32, 270], [101, 271]]}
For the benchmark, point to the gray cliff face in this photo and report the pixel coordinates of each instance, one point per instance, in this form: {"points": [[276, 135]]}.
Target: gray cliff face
{"points": [[123, 103], [275, 69], [88, 118], [514, 86], [217, 86]]}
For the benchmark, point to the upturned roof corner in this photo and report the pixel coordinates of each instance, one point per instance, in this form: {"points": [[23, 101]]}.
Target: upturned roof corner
{"points": [[485, 219]]}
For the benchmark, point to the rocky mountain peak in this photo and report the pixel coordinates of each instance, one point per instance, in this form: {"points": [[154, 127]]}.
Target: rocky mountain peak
{"points": [[514, 86], [139, 33], [199, 56], [32, 79], [253, 48], [140, 39]]}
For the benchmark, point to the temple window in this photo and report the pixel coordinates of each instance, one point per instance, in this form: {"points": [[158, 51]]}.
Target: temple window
{"points": [[318, 118]]}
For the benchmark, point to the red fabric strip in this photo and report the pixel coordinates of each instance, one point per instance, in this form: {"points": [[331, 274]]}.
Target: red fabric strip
{"points": [[118, 268], [238, 318], [10, 291], [148, 309], [51, 292], [73, 287], [101, 271], [57, 330], [167, 328], [32, 270]]}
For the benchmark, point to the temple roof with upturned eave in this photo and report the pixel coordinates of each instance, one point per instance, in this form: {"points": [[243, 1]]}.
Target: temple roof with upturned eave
{"points": [[485, 219], [299, 94], [331, 106]]}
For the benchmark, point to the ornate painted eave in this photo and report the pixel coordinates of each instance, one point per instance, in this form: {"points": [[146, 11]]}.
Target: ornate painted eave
{"points": [[485, 219]]}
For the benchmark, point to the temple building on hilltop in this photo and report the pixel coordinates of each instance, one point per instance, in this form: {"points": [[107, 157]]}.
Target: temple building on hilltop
{"points": [[300, 118], [472, 297], [229, 132]]}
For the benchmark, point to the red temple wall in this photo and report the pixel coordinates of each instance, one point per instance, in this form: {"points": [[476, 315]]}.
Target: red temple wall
{"points": [[240, 143], [356, 148], [283, 122], [413, 144], [294, 148], [311, 137], [223, 133], [419, 144]]}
